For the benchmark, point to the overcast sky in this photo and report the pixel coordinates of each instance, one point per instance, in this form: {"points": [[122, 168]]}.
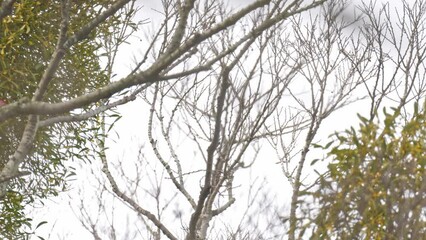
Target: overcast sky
{"points": [[132, 131]]}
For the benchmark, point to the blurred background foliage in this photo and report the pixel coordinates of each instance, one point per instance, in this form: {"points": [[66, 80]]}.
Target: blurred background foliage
{"points": [[27, 41], [375, 186]]}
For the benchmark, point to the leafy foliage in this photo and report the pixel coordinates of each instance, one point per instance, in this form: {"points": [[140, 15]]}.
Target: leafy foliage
{"points": [[27, 40], [375, 187]]}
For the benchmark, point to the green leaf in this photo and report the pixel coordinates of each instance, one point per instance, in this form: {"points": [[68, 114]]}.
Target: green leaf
{"points": [[317, 145], [328, 144], [314, 161], [416, 108], [363, 119], [40, 224]]}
